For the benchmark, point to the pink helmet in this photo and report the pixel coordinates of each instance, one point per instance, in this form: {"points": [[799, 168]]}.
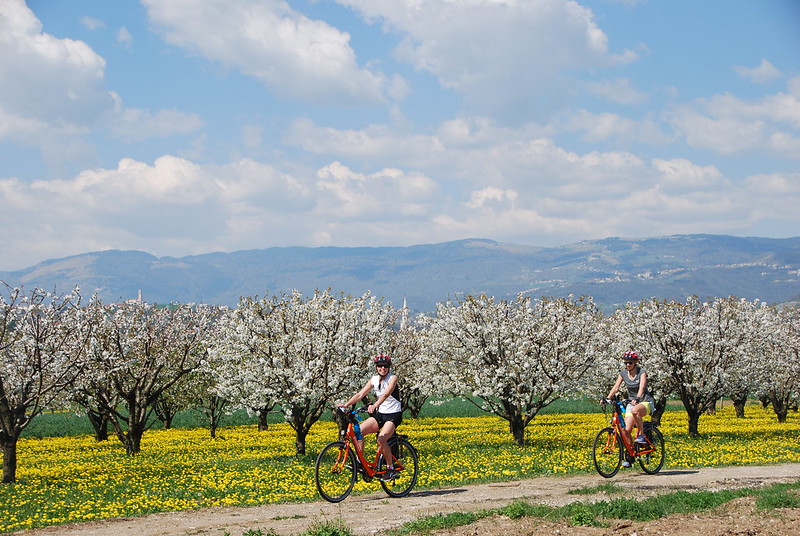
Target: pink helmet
{"points": [[630, 356], [382, 359]]}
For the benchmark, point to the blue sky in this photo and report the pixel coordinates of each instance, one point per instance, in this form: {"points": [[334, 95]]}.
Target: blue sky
{"points": [[181, 127]]}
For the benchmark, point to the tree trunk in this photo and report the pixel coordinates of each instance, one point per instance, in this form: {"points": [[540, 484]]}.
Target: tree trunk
{"points": [[132, 439], [414, 401], [517, 425], [215, 410], [263, 423], [165, 412], [301, 427], [712, 408], [694, 421], [99, 422], [300, 440], [658, 411], [781, 408], [9, 447], [133, 442], [738, 405]]}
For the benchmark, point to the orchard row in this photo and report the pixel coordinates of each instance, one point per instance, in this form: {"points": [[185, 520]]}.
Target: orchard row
{"points": [[122, 363]]}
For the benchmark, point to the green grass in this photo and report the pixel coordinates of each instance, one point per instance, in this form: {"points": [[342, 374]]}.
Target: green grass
{"points": [[779, 496], [428, 524], [67, 423], [598, 514], [328, 528]]}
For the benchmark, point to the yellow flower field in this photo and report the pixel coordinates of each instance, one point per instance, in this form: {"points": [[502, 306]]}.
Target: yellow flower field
{"points": [[72, 479]]}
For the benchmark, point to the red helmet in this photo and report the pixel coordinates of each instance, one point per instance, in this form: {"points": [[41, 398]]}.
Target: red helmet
{"points": [[630, 356], [382, 359]]}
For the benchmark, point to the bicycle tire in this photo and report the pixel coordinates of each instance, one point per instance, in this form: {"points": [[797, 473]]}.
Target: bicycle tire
{"points": [[607, 453], [335, 472], [653, 462], [407, 477]]}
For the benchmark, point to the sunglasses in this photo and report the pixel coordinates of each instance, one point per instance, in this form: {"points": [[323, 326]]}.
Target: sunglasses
{"points": [[629, 362], [381, 366]]}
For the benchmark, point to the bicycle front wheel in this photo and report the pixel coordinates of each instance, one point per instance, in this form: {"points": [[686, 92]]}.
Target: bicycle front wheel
{"points": [[652, 462], [407, 466], [606, 453], [335, 472]]}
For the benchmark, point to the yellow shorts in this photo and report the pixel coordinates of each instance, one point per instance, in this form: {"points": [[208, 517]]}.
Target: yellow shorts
{"points": [[647, 405]]}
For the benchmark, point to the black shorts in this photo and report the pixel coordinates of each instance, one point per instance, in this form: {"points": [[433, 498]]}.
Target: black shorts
{"points": [[382, 418]]}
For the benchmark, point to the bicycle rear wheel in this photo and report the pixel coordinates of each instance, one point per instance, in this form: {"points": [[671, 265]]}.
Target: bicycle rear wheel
{"points": [[606, 453], [407, 466], [652, 462], [335, 472]]}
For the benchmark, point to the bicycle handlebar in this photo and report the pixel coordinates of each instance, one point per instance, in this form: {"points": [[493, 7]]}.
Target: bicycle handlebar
{"points": [[351, 414], [606, 401]]}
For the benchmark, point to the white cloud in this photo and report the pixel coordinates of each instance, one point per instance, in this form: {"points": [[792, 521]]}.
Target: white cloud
{"points": [[619, 90], [90, 23], [729, 125], [680, 176], [388, 195], [53, 94], [173, 206], [527, 192], [472, 153], [600, 127], [764, 73], [490, 195], [507, 58], [124, 37], [294, 56], [46, 78]]}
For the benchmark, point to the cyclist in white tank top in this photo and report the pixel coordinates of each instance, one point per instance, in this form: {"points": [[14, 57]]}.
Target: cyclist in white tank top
{"points": [[386, 411]]}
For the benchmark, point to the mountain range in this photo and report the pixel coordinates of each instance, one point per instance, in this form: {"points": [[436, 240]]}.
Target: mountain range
{"points": [[613, 271]]}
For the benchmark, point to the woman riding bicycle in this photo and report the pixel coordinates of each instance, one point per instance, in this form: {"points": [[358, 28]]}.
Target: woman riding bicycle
{"points": [[386, 413], [642, 402]]}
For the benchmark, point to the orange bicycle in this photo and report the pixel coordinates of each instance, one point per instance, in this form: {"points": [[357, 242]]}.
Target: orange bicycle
{"points": [[340, 462], [612, 446]]}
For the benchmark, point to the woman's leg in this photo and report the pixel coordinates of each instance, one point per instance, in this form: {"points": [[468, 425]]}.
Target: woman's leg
{"points": [[383, 441], [630, 422], [638, 414], [370, 426]]}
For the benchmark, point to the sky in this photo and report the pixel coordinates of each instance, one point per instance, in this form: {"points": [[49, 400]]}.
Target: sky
{"points": [[182, 127]]}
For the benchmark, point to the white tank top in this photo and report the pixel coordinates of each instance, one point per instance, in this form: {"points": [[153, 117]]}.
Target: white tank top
{"points": [[391, 404]]}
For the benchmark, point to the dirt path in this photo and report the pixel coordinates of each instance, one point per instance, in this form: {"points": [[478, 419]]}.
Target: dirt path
{"points": [[374, 513]]}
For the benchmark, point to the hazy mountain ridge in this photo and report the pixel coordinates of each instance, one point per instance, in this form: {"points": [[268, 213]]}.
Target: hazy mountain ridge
{"points": [[612, 270]]}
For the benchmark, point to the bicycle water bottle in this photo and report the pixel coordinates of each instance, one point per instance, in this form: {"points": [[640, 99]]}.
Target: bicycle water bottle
{"points": [[621, 417], [357, 430]]}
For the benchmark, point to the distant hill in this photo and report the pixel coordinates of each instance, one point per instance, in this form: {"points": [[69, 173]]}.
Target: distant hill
{"points": [[613, 271]]}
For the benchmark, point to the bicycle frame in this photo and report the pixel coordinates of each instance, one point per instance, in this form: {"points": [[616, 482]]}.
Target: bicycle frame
{"points": [[632, 449], [351, 442], [339, 463]]}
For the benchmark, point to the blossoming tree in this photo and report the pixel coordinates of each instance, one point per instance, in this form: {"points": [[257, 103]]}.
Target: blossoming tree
{"points": [[779, 365], [140, 351], [304, 353], [42, 340], [512, 358]]}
